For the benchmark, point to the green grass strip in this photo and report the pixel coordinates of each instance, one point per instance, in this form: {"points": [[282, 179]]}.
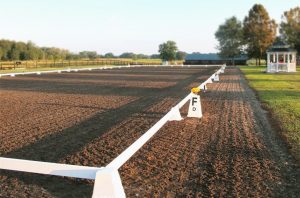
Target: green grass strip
{"points": [[280, 93]]}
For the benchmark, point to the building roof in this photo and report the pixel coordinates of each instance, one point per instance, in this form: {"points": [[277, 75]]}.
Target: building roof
{"points": [[211, 56], [280, 46], [281, 50]]}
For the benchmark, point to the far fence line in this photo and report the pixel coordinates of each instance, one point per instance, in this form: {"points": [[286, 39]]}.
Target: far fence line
{"points": [[107, 179], [94, 68], [75, 63]]}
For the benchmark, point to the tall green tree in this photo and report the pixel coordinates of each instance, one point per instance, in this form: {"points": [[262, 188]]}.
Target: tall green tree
{"points": [[168, 51], [154, 56], [88, 54], [5, 46], [127, 55], [141, 56], [109, 55], [16, 51], [1, 53], [180, 55], [33, 52], [290, 27], [230, 37], [259, 31]]}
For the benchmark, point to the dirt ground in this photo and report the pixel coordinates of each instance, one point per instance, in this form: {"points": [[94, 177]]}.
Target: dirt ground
{"points": [[88, 118]]}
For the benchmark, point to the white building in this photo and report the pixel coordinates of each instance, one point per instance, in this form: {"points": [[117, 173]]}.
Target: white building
{"points": [[281, 58]]}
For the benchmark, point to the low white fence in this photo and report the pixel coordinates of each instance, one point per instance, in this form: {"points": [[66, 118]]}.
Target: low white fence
{"points": [[95, 68], [107, 179], [68, 70]]}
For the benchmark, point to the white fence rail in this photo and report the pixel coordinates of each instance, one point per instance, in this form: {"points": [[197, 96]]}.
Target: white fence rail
{"points": [[95, 68], [83, 172], [68, 70], [107, 179]]}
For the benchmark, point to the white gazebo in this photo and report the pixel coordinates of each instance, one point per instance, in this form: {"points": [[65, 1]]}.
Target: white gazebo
{"points": [[281, 58]]}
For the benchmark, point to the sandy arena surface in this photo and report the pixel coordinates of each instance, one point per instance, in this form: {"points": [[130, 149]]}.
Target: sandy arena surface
{"points": [[89, 118]]}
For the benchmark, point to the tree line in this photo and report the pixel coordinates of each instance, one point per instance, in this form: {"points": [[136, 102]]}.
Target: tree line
{"points": [[257, 32], [14, 51]]}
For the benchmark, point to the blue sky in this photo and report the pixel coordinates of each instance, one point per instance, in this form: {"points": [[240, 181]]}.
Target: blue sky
{"points": [[125, 25]]}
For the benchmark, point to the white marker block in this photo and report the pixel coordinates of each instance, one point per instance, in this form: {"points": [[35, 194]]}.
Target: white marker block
{"points": [[12, 75], [175, 114], [108, 184], [195, 110], [59, 71], [216, 78]]}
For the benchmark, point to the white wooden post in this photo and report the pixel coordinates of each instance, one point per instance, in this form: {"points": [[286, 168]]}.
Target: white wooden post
{"points": [[268, 62], [288, 62], [277, 62], [108, 184], [274, 61]]}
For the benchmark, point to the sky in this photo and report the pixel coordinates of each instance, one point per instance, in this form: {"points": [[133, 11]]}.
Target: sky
{"points": [[119, 26]]}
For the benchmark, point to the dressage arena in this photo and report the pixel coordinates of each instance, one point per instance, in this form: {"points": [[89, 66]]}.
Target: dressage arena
{"points": [[89, 118]]}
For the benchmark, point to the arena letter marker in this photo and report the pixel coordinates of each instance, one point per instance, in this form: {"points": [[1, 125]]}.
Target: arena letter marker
{"points": [[195, 110]]}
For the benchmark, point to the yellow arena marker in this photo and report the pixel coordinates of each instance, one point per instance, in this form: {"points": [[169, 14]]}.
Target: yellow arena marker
{"points": [[195, 90]]}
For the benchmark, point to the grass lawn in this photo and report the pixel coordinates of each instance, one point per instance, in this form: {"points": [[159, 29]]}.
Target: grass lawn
{"points": [[281, 94]]}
